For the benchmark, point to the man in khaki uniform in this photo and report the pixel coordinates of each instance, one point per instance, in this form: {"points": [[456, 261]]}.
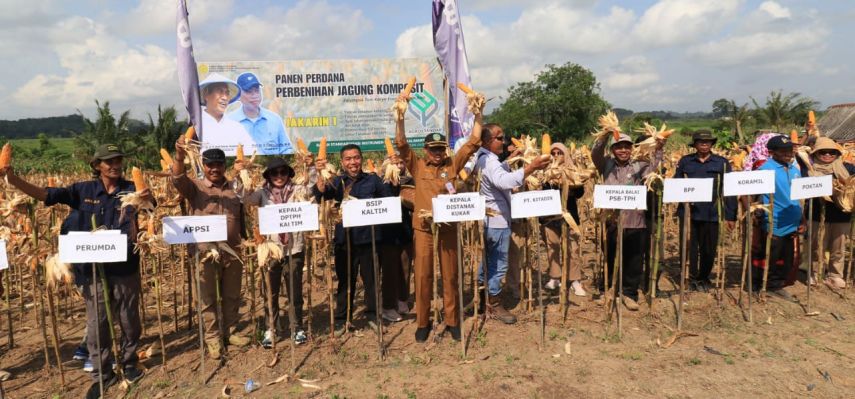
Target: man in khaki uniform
{"points": [[215, 195], [433, 175]]}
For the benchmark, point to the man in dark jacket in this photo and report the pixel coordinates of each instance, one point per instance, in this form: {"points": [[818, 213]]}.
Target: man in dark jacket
{"points": [[704, 224], [100, 199], [360, 185]]}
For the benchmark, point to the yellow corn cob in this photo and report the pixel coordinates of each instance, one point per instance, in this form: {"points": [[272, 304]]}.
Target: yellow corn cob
{"points": [[464, 88], [256, 234], [301, 145], [166, 158], [408, 88], [139, 181], [6, 156], [390, 151], [163, 166], [794, 136], [811, 118], [546, 144], [188, 136], [369, 165], [517, 143], [322, 148], [151, 227], [616, 135], [239, 152]]}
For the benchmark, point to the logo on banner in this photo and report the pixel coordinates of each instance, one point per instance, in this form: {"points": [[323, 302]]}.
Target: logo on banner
{"points": [[423, 106]]}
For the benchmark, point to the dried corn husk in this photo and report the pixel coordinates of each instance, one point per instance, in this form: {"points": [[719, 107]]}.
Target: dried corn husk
{"points": [[58, 272], [390, 172], [269, 250], [609, 124]]}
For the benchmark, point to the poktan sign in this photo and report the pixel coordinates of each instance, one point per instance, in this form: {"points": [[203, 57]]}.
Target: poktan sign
{"points": [[346, 101]]}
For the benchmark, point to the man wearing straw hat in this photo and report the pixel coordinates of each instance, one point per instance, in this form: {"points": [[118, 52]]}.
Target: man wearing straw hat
{"points": [[703, 239], [219, 131], [100, 198], [826, 160]]}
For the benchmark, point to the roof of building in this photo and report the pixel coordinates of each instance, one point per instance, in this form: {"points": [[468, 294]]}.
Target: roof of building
{"points": [[838, 122]]}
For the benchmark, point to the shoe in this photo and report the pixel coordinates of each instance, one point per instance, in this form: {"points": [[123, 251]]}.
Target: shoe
{"points": [[630, 303], [81, 353], [553, 284], [422, 334], [238, 340], [391, 315], [812, 281], [88, 366], [94, 391], [215, 349], [403, 308], [835, 283], [576, 286], [300, 337], [784, 294], [267, 341], [455, 332], [499, 312], [340, 327], [133, 374]]}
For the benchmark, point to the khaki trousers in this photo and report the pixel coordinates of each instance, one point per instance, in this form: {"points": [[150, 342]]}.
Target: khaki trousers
{"points": [[835, 240], [552, 239], [423, 262], [230, 271]]}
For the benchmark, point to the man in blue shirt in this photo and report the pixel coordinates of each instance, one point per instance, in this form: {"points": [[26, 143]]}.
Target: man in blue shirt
{"points": [[265, 127], [100, 198], [787, 218], [703, 239]]}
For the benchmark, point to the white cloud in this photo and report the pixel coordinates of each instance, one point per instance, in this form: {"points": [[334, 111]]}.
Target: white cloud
{"points": [[156, 17], [775, 10], [670, 22], [311, 29], [632, 73], [97, 65]]}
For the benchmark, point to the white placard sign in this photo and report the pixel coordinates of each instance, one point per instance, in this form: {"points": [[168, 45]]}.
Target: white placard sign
{"points": [[530, 204], [749, 183], [103, 246], [811, 187], [288, 218], [687, 190], [4, 258], [366, 212], [194, 229], [620, 197], [458, 208]]}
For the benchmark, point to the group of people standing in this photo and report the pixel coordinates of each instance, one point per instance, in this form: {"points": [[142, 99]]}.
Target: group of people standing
{"points": [[411, 242]]}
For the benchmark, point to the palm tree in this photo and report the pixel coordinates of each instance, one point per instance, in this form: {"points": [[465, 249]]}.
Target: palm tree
{"points": [[104, 129], [160, 133], [782, 111]]}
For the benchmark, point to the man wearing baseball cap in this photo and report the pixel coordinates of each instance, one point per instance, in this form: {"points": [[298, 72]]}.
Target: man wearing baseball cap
{"points": [[217, 92], [215, 195], [434, 174], [703, 239], [264, 126], [99, 199], [788, 221], [618, 168]]}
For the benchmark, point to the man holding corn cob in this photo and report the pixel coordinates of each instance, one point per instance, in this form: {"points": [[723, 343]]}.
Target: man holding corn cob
{"points": [[99, 199], [621, 169], [434, 174], [215, 195]]}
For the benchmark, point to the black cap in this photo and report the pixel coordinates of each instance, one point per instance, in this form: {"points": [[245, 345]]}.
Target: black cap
{"points": [[276, 163], [435, 140], [213, 155], [779, 143], [107, 151], [703, 134]]}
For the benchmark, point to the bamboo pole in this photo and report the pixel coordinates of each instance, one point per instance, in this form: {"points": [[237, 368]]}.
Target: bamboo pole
{"points": [[378, 303], [105, 287], [308, 260], [684, 261], [200, 320], [769, 236], [460, 287], [11, 336], [562, 291], [435, 277], [540, 308], [821, 245], [157, 294], [619, 281], [809, 253]]}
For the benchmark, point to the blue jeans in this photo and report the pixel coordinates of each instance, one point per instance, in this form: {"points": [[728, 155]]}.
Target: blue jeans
{"points": [[497, 244]]}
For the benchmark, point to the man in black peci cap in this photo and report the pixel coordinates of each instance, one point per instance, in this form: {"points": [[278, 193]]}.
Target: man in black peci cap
{"points": [[215, 195], [703, 239], [99, 198]]}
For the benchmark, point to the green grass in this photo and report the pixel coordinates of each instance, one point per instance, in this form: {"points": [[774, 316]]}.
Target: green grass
{"points": [[64, 144]]}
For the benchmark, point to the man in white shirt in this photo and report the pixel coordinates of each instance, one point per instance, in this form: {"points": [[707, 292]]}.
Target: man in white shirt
{"points": [[217, 93]]}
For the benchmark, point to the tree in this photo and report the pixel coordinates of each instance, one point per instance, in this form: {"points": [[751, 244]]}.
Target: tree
{"points": [[734, 116], [562, 100], [782, 111], [104, 129], [160, 133]]}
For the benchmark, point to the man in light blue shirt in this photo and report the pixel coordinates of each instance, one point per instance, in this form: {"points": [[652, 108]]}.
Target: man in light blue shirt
{"points": [[265, 127], [787, 217], [497, 181]]}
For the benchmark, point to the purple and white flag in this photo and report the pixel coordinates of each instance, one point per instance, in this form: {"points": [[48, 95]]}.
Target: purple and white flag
{"points": [[188, 76], [451, 49]]}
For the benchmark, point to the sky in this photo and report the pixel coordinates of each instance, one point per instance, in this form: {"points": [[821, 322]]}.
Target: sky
{"points": [[59, 56]]}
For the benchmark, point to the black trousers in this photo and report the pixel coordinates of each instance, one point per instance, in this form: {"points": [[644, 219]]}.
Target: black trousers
{"points": [[635, 246], [781, 268], [703, 245], [361, 264], [276, 272], [124, 294]]}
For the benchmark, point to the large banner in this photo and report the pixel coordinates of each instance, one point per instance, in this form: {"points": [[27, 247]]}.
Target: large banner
{"points": [[269, 104]]}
